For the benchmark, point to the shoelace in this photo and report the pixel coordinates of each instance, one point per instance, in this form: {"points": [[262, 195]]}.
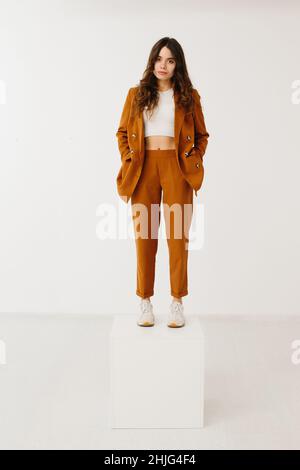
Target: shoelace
{"points": [[177, 308], [146, 306]]}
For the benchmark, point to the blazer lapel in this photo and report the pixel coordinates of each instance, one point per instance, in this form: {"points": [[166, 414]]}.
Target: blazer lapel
{"points": [[179, 114], [178, 119]]}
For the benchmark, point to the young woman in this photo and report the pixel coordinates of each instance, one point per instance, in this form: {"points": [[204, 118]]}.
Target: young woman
{"points": [[162, 139]]}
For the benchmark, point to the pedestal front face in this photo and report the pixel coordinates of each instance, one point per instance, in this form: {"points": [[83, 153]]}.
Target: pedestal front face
{"points": [[156, 374]]}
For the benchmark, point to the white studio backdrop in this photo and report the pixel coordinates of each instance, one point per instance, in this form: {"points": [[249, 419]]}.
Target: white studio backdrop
{"points": [[65, 69]]}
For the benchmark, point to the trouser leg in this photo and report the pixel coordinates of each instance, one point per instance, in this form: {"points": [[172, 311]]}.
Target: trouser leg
{"points": [[145, 203], [178, 210]]}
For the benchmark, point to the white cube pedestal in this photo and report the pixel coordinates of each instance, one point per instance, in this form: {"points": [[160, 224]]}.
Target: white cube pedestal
{"points": [[156, 374]]}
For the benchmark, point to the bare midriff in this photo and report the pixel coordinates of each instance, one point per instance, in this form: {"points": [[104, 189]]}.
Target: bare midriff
{"points": [[159, 142]]}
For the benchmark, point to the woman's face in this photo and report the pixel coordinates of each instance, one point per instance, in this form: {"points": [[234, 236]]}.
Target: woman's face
{"points": [[165, 63]]}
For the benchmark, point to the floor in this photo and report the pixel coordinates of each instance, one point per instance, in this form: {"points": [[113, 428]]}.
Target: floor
{"points": [[54, 385]]}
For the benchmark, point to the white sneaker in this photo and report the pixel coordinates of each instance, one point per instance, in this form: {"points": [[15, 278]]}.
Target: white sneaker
{"points": [[147, 317], [176, 317]]}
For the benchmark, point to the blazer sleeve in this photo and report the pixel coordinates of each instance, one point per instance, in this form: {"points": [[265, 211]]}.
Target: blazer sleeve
{"points": [[121, 133], [201, 134]]}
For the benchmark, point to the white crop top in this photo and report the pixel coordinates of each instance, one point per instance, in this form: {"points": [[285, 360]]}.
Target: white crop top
{"points": [[162, 119]]}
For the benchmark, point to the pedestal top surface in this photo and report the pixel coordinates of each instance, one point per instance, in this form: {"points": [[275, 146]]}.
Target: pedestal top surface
{"points": [[125, 326]]}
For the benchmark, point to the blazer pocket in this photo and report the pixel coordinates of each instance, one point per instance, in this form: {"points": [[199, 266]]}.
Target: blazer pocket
{"points": [[128, 156], [196, 151]]}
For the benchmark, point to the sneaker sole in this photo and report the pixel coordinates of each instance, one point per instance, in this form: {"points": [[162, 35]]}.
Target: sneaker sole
{"points": [[145, 324], [173, 325]]}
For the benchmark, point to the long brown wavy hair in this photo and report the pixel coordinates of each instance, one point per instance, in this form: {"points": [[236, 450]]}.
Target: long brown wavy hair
{"points": [[147, 94]]}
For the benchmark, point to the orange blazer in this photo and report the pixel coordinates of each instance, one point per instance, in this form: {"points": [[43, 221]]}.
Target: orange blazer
{"points": [[190, 137]]}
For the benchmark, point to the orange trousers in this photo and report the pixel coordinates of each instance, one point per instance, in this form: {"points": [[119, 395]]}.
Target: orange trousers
{"points": [[161, 175]]}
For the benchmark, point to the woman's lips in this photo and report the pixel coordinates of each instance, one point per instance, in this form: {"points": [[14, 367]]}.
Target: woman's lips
{"points": [[163, 73]]}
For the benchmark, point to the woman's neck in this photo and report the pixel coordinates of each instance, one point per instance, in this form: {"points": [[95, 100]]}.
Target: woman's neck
{"points": [[165, 87]]}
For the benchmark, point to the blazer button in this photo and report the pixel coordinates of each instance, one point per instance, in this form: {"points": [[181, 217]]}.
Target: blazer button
{"points": [[186, 154], [133, 135], [131, 151], [197, 165], [188, 137]]}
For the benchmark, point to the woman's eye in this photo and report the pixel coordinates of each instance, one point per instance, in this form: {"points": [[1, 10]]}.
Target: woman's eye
{"points": [[171, 60]]}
